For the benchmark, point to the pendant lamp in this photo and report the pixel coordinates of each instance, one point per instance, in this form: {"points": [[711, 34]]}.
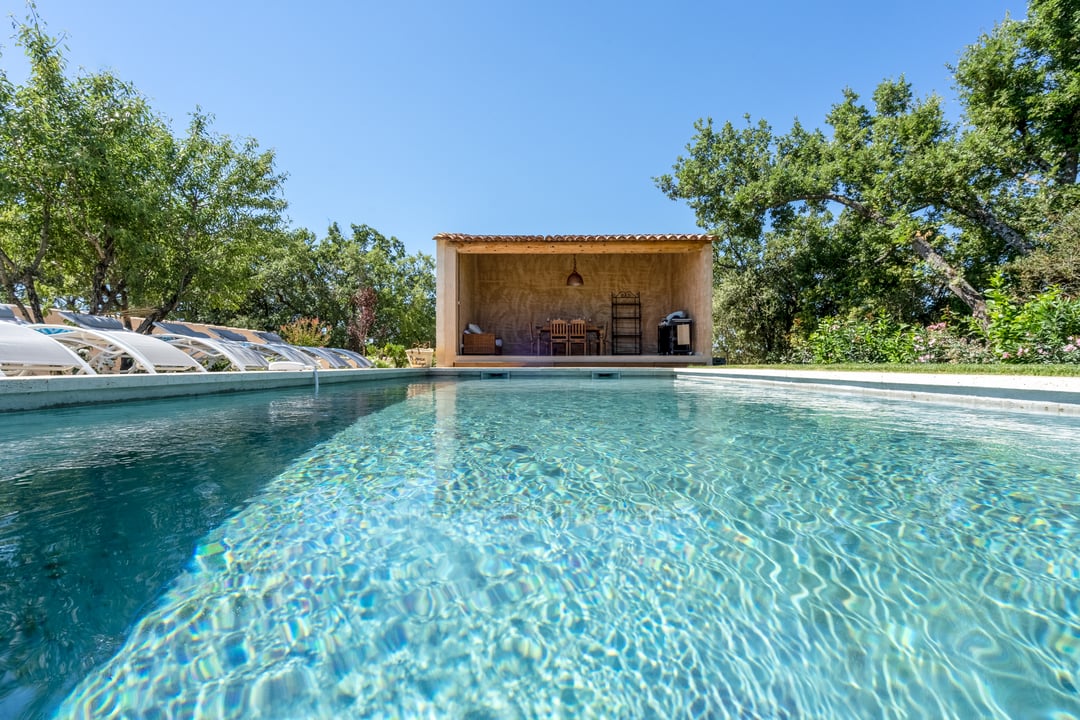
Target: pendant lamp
{"points": [[574, 279]]}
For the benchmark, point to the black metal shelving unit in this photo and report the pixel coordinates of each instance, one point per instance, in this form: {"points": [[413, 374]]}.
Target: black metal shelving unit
{"points": [[625, 323]]}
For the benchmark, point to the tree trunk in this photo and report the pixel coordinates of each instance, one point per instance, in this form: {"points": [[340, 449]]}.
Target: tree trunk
{"points": [[162, 311], [35, 301], [957, 284], [920, 242], [125, 309], [104, 298], [30, 272]]}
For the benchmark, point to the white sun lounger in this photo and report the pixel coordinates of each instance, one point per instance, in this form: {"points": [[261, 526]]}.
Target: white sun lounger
{"points": [[211, 350], [7, 314], [243, 354], [272, 351], [334, 357], [25, 351], [122, 351], [356, 358]]}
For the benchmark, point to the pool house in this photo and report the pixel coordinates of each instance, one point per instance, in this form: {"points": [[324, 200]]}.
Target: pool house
{"points": [[643, 300]]}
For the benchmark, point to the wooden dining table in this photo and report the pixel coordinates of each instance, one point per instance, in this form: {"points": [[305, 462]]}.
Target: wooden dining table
{"points": [[593, 333]]}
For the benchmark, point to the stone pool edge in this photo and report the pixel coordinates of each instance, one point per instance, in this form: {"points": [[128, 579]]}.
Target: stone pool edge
{"points": [[1053, 395], [41, 392], [1026, 393]]}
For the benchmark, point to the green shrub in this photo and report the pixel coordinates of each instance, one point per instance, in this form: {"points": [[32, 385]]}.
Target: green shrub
{"points": [[307, 332], [1045, 329], [861, 339], [390, 355]]}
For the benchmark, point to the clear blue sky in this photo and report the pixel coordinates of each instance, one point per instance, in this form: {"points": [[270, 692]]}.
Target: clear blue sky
{"points": [[546, 117]]}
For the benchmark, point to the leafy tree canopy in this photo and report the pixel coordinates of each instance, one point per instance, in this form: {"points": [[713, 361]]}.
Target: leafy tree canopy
{"points": [[103, 209], [305, 277], [890, 206]]}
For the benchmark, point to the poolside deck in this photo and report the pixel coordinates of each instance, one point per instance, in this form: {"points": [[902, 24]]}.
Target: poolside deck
{"points": [[662, 361]]}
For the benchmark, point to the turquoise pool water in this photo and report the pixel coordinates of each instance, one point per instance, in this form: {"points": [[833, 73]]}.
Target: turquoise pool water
{"points": [[553, 548], [100, 508]]}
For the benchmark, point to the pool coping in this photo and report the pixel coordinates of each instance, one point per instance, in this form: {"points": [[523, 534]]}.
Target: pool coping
{"points": [[41, 392], [1054, 395], [1025, 393]]}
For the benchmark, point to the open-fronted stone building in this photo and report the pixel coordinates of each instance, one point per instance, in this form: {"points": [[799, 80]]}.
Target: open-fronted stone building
{"points": [[509, 286]]}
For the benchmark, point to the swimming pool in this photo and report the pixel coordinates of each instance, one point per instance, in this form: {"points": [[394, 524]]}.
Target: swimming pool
{"points": [[100, 507], [573, 548]]}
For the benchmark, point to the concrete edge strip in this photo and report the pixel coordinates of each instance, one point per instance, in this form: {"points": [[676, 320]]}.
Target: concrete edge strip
{"points": [[1054, 395]]}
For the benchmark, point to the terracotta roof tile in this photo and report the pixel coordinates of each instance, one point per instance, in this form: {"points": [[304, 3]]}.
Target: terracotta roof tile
{"points": [[461, 237]]}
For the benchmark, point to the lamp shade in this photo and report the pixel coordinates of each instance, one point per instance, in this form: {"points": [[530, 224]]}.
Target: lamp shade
{"points": [[574, 279]]}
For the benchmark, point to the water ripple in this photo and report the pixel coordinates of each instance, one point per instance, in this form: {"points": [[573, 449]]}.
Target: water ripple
{"points": [[507, 551]]}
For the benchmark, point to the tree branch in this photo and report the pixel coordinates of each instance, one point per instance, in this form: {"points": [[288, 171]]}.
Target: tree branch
{"points": [[957, 284], [921, 245], [859, 208], [985, 217]]}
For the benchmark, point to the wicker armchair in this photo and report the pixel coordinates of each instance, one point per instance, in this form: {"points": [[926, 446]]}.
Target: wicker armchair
{"points": [[478, 344]]}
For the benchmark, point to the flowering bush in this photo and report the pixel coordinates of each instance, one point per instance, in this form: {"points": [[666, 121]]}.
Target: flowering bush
{"points": [[938, 343], [882, 341], [1045, 329], [1068, 353]]}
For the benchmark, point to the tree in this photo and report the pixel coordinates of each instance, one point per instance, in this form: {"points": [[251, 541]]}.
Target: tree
{"points": [[116, 200], [103, 210], [891, 173], [363, 312], [404, 286], [1020, 86], [925, 205], [41, 153], [305, 277], [287, 287], [1055, 261], [224, 213], [403, 308]]}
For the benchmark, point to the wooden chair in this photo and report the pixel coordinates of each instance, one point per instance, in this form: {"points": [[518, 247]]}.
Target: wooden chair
{"points": [[559, 335], [534, 338], [577, 336]]}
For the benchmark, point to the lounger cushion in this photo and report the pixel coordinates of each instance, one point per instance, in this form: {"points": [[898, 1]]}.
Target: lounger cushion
{"points": [[289, 365]]}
